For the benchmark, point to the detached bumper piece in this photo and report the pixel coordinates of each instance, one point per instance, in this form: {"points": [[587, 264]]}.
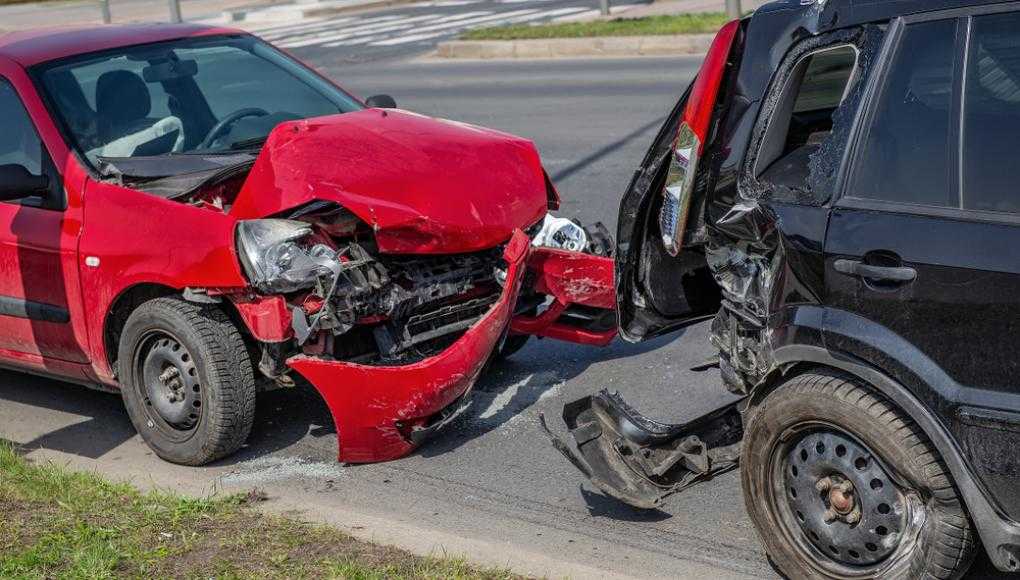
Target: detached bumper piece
{"points": [[640, 461], [583, 308], [383, 412]]}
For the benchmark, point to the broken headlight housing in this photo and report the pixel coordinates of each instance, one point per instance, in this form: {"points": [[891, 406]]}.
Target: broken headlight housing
{"points": [[275, 261]]}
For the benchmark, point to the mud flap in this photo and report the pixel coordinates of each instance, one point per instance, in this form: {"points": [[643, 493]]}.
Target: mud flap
{"points": [[641, 462]]}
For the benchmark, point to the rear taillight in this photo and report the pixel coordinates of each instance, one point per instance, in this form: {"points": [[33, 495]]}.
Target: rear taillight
{"points": [[691, 138]]}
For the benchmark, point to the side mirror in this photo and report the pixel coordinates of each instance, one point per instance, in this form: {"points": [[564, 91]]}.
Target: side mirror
{"points": [[381, 102], [16, 182]]}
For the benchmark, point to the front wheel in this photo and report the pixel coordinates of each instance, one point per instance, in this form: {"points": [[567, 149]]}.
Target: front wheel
{"points": [[187, 380], [841, 484]]}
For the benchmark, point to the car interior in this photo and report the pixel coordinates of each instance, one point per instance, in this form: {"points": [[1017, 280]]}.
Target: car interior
{"points": [[803, 116]]}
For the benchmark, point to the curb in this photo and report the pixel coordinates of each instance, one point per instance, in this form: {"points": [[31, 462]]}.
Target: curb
{"points": [[574, 47]]}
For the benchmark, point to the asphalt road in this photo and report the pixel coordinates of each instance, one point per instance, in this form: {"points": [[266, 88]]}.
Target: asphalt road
{"points": [[492, 480]]}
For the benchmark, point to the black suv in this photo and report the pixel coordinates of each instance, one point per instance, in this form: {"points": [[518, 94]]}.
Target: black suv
{"points": [[840, 190]]}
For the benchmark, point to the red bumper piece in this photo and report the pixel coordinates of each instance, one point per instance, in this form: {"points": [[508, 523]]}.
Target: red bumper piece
{"points": [[378, 409], [570, 278]]}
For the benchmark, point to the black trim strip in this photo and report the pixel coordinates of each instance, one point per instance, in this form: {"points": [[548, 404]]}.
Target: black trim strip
{"points": [[21, 308]]}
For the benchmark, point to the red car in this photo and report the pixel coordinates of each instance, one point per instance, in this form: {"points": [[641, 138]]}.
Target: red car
{"points": [[191, 216]]}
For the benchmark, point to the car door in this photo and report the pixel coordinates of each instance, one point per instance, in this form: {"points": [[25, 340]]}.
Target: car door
{"points": [[37, 257], [923, 242]]}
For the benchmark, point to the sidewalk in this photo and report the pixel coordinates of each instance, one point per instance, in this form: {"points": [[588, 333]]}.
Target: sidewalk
{"points": [[37, 14]]}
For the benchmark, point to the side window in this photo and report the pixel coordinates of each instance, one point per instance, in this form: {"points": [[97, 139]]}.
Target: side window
{"points": [[19, 142], [908, 153], [808, 117], [803, 117], [991, 115]]}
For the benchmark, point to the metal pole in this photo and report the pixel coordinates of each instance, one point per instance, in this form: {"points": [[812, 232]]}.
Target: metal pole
{"points": [[733, 9], [175, 10], [104, 7], [604, 5]]}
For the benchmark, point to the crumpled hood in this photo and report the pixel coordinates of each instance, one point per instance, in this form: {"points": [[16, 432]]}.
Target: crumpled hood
{"points": [[425, 185]]}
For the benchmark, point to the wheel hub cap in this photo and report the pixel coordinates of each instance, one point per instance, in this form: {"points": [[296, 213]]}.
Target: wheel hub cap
{"points": [[843, 500], [171, 383]]}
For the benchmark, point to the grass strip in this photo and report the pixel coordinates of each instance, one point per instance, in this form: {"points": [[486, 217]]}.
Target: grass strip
{"points": [[692, 23], [56, 523]]}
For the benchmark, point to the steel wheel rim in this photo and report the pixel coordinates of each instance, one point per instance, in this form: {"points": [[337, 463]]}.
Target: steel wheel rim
{"points": [[877, 538], [168, 383]]}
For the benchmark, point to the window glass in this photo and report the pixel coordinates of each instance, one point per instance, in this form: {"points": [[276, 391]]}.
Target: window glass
{"points": [[210, 95], [826, 77], [907, 154], [991, 108], [19, 142], [229, 77], [790, 162]]}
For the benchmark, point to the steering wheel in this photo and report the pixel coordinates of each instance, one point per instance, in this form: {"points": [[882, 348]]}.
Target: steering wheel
{"points": [[229, 120]]}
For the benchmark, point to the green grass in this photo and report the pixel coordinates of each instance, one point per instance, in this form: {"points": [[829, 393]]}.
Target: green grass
{"points": [[60, 524], [6, 2], [695, 23]]}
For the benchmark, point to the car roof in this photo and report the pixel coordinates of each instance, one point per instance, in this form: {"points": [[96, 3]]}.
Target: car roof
{"points": [[832, 14], [35, 46]]}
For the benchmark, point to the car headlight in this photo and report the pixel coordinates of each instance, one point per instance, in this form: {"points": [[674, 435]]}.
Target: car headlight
{"points": [[274, 260]]}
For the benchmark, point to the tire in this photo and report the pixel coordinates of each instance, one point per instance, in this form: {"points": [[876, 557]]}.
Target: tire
{"points": [[187, 380], [512, 344], [828, 456]]}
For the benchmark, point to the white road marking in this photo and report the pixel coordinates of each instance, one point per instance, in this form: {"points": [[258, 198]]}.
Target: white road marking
{"points": [[427, 32], [350, 31], [421, 35], [408, 28], [459, 21]]}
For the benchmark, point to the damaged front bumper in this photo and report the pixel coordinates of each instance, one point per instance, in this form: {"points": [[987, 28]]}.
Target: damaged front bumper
{"points": [[382, 413], [640, 461]]}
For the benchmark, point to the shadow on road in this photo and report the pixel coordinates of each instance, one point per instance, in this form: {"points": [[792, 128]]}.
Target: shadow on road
{"points": [[533, 374], [297, 419]]}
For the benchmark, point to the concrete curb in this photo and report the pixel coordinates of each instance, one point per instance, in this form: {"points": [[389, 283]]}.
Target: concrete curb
{"points": [[575, 47]]}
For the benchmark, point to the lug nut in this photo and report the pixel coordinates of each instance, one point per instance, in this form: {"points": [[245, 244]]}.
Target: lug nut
{"points": [[853, 517], [844, 486], [823, 484], [829, 516]]}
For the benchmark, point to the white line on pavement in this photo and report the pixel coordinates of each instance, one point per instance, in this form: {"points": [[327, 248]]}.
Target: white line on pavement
{"points": [[422, 35], [426, 32]]}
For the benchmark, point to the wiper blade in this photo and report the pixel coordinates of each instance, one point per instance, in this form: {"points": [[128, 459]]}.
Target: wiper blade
{"points": [[248, 144]]}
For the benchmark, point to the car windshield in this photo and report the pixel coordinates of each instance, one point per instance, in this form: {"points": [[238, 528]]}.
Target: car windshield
{"points": [[209, 96]]}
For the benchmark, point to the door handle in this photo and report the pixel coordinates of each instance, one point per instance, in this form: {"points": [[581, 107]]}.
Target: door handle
{"points": [[880, 273]]}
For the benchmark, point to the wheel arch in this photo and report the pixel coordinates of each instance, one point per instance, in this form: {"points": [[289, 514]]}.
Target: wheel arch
{"points": [[117, 314], [999, 534]]}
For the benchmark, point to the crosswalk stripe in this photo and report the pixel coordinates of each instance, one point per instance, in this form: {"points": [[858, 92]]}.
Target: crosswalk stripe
{"points": [[375, 34], [463, 24], [327, 25], [290, 30], [454, 20], [343, 32], [421, 33]]}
